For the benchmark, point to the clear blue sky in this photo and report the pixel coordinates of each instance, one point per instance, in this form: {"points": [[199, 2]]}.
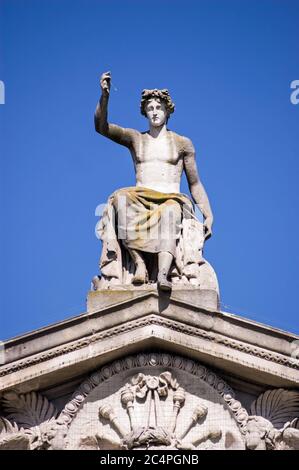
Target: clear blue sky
{"points": [[228, 65]]}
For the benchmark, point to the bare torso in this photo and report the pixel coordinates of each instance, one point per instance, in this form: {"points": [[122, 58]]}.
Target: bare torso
{"points": [[158, 162]]}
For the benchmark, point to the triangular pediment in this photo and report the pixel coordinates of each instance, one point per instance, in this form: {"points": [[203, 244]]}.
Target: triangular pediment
{"points": [[125, 323]]}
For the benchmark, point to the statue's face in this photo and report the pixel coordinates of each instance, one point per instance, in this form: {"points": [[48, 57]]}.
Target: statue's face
{"points": [[156, 112]]}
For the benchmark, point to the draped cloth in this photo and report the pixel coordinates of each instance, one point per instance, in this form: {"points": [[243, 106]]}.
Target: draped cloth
{"points": [[148, 221]]}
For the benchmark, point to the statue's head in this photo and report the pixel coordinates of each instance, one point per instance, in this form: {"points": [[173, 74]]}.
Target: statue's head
{"points": [[157, 106]]}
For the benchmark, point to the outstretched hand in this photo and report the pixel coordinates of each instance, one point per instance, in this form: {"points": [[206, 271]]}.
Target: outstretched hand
{"points": [[105, 82]]}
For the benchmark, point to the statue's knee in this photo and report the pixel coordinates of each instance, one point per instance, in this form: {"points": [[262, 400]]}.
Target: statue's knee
{"points": [[172, 207]]}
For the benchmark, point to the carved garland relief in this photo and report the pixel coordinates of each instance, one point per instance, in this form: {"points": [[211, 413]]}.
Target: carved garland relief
{"points": [[151, 401]]}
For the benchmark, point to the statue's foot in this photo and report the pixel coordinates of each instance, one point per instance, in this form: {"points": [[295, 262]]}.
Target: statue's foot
{"points": [[96, 282], [140, 277], [163, 283]]}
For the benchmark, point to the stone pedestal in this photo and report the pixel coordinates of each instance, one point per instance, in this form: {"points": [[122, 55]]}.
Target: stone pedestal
{"points": [[202, 298]]}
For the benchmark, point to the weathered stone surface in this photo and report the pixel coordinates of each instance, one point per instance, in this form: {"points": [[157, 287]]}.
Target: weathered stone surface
{"points": [[168, 404], [115, 377], [236, 346], [151, 400], [205, 298]]}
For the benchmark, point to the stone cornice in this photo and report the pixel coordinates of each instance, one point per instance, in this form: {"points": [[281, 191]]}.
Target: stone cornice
{"points": [[209, 343], [144, 303]]}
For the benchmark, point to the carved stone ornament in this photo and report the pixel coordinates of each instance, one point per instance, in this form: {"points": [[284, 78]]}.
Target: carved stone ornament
{"points": [[154, 390], [11, 438], [30, 422], [151, 401], [154, 401], [274, 423]]}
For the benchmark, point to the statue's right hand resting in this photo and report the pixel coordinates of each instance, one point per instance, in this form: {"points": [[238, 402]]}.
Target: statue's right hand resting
{"points": [[105, 83]]}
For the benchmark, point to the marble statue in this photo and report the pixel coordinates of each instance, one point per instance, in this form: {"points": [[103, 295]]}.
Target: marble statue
{"points": [[149, 231]]}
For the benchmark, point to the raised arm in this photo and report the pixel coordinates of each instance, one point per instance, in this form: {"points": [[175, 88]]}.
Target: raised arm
{"points": [[116, 133], [196, 188]]}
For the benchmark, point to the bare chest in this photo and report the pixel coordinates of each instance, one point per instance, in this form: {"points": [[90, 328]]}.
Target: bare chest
{"points": [[160, 150]]}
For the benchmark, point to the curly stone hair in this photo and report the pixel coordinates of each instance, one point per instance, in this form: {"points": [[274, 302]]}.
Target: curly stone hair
{"points": [[163, 95]]}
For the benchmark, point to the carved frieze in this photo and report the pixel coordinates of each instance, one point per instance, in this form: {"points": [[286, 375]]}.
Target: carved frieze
{"points": [[154, 400]]}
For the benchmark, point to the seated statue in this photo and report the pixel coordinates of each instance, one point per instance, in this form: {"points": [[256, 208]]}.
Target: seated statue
{"points": [[149, 231]]}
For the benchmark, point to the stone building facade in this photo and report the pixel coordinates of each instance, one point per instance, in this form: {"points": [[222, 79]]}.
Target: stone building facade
{"points": [[148, 370]]}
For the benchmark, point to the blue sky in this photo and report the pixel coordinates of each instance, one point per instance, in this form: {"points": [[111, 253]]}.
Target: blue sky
{"points": [[228, 65]]}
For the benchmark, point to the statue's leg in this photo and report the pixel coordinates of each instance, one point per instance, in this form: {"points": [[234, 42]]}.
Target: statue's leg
{"points": [[140, 276], [164, 264], [170, 222]]}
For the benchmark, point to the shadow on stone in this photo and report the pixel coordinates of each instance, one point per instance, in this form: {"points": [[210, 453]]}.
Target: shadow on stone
{"points": [[164, 299]]}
